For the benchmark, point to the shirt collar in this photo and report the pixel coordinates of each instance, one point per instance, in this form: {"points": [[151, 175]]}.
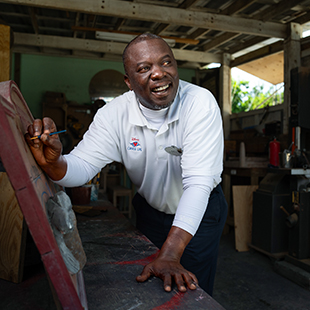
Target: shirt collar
{"points": [[136, 117], [175, 108]]}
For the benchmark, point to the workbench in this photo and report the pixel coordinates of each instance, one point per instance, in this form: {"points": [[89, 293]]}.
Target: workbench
{"points": [[116, 253]]}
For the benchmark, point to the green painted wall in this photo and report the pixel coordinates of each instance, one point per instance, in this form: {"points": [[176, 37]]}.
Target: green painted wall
{"points": [[71, 76]]}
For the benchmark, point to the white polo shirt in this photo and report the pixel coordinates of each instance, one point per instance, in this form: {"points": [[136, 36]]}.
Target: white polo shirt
{"points": [[192, 128]]}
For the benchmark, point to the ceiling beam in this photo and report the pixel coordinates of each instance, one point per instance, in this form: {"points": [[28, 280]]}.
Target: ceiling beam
{"points": [[102, 47], [140, 11], [66, 53], [120, 22], [77, 18], [243, 45], [304, 18], [196, 56], [196, 35], [185, 5], [237, 7], [275, 9], [259, 53], [161, 28], [33, 20], [219, 40], [232, 9], [176, 39]]}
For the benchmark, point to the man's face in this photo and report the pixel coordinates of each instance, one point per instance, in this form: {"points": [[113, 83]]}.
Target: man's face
{"points": [[152, 73]]}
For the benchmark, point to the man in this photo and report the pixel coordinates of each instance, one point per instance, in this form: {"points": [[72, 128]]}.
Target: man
{"points": [[168, 134]]}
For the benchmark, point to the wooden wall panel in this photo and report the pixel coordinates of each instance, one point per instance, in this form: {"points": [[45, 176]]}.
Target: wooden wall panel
{"points": [[269, 68]]}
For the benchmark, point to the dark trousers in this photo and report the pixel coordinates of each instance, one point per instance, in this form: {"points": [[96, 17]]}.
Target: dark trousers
{"points": [[200, 255]]}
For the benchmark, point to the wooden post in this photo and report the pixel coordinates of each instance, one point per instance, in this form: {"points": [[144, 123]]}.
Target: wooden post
{"points": [[225, 105], [225, 93], [5, 61], [292, 59]]}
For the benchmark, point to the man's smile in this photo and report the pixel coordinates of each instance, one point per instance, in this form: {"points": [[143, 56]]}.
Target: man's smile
{"points": [[160, 88]]}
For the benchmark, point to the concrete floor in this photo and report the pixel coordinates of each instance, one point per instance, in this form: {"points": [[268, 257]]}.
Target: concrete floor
{"points": [[247, 281]]}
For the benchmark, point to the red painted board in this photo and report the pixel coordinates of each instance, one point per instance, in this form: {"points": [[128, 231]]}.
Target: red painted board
{"points": [[32, 189]]}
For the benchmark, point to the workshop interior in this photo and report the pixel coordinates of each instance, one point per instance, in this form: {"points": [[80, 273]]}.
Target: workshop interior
{"points": [[63, 59]]}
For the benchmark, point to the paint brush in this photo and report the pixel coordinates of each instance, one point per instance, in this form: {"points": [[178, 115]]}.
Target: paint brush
{"points": [[52, 133]]}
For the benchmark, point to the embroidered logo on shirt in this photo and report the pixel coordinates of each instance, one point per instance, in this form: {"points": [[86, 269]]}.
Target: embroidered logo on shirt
{"points": [[174, 150], [134, 145]]}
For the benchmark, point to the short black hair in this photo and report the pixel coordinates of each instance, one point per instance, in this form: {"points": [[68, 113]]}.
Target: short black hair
{"points": [[141, 37]]}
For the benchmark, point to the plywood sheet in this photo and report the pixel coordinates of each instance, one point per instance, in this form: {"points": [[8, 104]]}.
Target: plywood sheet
{"points": [[269, 68], [243, 201], [12, 235], [5, 52]]}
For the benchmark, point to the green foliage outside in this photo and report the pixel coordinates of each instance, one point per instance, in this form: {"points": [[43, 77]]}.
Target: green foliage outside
{"points": [[245, 99]]}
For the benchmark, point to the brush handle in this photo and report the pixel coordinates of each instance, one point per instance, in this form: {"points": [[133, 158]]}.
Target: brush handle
{"points": [[52, 133]]}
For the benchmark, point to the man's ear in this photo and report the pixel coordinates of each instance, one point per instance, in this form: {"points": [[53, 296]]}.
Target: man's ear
{"points": [[126, 79]]}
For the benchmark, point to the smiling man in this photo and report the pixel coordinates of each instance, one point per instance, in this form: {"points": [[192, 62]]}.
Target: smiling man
{"points": [[153, 76], [168, 135]]}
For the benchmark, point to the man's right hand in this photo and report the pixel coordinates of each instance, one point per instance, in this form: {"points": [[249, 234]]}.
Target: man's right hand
{"points": [[47, 149]]}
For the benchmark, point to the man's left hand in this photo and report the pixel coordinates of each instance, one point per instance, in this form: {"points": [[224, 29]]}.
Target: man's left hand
{"points": [[167, 265], [167, 269]]}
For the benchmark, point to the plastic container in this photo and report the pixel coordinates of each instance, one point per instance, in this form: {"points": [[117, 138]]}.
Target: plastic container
{"points": [[94, 192], [242, 155]]}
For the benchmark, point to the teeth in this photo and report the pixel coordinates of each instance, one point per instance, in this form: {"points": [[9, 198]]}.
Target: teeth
{"points": [[161, 88]]}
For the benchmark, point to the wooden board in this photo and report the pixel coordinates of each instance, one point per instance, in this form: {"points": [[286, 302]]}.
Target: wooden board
{"points": [[243, 201], [5, 52], [269, 68], [32, 189], [12, 233]]}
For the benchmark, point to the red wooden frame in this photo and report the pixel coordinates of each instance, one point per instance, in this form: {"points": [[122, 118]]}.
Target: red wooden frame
{"points": [[32, 189]]}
